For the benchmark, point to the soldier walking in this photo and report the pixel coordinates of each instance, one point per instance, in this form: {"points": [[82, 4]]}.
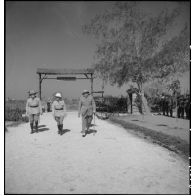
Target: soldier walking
{"points": [[162, 103], [166, 104], [181, 105], [59, 111], [48, 105], [178, 107], [182, 102], [87, 108], [33, 110]]}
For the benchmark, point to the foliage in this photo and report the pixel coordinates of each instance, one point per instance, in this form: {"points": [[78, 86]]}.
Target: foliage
{"points": [[175, 87], [174, 58], [14, 110], [111, 104], [128, 38], [155, 104]]}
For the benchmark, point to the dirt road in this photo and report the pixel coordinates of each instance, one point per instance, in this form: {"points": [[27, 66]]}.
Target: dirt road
{"points": [[111, 161]]}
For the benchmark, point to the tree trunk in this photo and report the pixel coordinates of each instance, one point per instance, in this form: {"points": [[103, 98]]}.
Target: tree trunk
{"points": [[129, 103], [144, 103]]}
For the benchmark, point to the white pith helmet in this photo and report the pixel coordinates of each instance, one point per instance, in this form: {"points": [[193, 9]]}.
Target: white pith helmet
{"points": [[58, 95]]}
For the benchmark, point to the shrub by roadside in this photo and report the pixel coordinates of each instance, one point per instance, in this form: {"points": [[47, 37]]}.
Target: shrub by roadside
{"points": [[14, 112]]}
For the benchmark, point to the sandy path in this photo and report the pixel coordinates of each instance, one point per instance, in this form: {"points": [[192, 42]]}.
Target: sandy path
{"points": [[111, 161]]}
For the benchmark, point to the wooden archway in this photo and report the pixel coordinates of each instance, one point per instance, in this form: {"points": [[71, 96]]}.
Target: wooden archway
{"points": [[58, 74]]}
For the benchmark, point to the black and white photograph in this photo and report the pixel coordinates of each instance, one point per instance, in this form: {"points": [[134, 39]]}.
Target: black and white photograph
{"points": [[97, 97]]}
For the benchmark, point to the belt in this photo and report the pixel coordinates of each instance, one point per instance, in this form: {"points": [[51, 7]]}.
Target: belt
{"points": [[59, 109], [33, 106]]}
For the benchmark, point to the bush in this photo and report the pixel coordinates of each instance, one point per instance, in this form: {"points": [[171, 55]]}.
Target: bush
{"points": [[111, 104], [13, 114], [14, 110]]}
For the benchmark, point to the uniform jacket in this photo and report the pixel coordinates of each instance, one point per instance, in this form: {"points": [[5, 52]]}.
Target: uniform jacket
{"points": [[87, 106], [33, 106], [59, 108]]}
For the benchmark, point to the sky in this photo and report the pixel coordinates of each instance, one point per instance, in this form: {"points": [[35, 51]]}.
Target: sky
{"points": [[49, 35]]}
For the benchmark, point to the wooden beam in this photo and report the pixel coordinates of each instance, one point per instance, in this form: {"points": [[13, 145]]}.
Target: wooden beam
{"points": [[86, 76], [98, 91], [64, 71], [66, 80], [45, 77]]}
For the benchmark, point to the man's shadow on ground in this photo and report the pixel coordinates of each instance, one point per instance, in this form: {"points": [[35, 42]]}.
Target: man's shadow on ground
{"points": [[64, 131], [92, 125], [42, 128], [90, 131]]}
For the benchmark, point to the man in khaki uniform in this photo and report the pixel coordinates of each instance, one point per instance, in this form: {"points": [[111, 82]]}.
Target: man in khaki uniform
{"points": [[87, 108], [59, 111], [33, 110]]}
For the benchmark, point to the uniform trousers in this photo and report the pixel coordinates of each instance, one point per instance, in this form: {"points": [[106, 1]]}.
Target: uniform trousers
{"points": [[86, 122], [33, 117], [59, 119]]}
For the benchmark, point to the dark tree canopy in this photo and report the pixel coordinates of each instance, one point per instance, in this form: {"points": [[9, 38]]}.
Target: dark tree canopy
{"points": [[128, 39], [174, 56]]}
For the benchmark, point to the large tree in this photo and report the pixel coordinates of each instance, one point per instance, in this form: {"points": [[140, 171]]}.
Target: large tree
{"points": [[172, 61], [174, 57], [128, 38]]}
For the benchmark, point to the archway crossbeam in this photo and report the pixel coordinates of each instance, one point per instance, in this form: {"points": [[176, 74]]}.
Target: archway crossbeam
{"points": [[58, 73]]}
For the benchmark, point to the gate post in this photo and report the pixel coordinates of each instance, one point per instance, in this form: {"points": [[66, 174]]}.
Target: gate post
{"points": [[91, 84], [40, 86]]}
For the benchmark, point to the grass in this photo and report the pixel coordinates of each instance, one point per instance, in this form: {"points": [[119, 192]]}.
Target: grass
{"points": [[14, 110], [13, 113], [14, 124], [170, 142]]}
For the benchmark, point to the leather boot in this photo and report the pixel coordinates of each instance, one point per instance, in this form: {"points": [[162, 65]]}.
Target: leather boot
{"points": [[31, 126], [36, 126], [58, 129], [84, 132], [61, 128]]}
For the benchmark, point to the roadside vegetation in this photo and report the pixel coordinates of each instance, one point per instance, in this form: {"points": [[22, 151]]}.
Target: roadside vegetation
{"points": [[170, 142], [135, 48], [14, 111]]}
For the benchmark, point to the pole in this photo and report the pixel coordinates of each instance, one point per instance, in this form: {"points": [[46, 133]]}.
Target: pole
{"points": [[94, 131], [91, 84], [40, 86], [131, 102]]}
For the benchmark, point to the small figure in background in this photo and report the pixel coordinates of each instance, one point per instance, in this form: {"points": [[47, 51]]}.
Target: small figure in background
{"points": [[49, 105], [166, 104], [178, 107], [187, 107], [163, 103], [33, 110], [182, 106], [59, 111], [170, 105]]}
